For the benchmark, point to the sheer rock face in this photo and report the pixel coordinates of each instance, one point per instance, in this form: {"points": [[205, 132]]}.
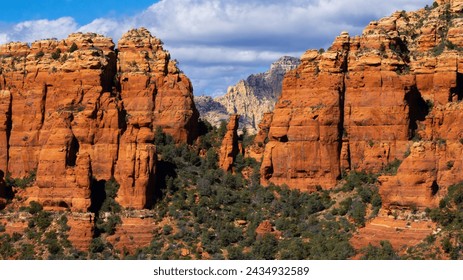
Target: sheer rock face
{"points": [[74, 109], [154, 93], [303, 147], [250, 98], [371, 99], [229, 148]]}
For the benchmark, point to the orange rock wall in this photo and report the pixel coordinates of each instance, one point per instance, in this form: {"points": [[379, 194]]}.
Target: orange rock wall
{"points": [[75, 109], [391, 93]]}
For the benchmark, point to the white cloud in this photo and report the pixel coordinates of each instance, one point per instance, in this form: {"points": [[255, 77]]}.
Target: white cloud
{"points": [[209, 37], [29, 31], [4, 38], [225, 55]]}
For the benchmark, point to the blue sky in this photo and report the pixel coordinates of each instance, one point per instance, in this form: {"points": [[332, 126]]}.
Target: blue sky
{"points": [[217, 42], [83, 11]]}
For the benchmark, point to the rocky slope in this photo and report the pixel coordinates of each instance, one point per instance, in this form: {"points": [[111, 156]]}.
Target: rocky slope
{"points": [[250, 98], [392, 93]]}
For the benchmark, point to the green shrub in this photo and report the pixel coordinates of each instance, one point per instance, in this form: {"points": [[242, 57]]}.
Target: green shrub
{"points": [[265, 248], [97, 245], [6, 247], [73, 48], [56, 54], [358, 212], [22, 183], [43, 220], [39, 54], [34, 207], [383, 252], [167, 229], [392, 167]]}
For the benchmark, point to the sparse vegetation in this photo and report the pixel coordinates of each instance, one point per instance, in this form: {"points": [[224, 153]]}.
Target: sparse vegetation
{"points": [[73, 48], [391, 167], [56, 54], [39, 55], [449, 216], [382, 252], [22, 183]]}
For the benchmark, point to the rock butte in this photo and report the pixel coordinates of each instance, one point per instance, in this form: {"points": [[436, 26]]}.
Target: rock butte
{"points": [[76, 110], [392, 93]]}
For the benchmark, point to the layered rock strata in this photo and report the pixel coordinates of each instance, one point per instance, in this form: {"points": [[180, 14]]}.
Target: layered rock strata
{"points": [[79, 113], [133, 233], [390, 94], [154, 94]]}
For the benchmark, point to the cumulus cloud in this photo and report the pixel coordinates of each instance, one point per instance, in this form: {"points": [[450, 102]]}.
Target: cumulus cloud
{"points": [[29, 31], [220, 42]]}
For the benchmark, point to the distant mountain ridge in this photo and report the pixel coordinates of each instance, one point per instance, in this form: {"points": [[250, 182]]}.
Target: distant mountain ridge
{"points": [[250, 98]]}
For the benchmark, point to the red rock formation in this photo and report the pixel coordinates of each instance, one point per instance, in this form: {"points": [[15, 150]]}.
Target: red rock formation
{"points": [[401, 233], [361, 104], [256, 150], [5, 127], [266, 228], [133, 233], [81, 230], [303, 148], [64, 113], [154, 93], [229, 148], [55, 89]]}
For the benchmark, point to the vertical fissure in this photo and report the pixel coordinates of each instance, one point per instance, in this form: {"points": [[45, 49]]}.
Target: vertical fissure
{"points": [[43, 103], [9, 127], [418, 109], [342, 97]]}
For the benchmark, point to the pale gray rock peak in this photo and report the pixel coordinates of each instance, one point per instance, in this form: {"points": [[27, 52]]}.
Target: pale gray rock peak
{"points": [[210, 110], [250, 98]]}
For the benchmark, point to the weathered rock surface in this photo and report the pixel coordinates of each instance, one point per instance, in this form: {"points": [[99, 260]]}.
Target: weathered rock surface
{"points": [[303, 147], [80, 230], [402, 234], [392, 93], [256, 150], [229, 148], [133, 233], [74, 109], [211, 110], [249, 98]]}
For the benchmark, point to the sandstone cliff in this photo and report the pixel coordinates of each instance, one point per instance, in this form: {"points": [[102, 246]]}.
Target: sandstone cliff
{"points": [[391, 93], [250, 98], [77, 109]]}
